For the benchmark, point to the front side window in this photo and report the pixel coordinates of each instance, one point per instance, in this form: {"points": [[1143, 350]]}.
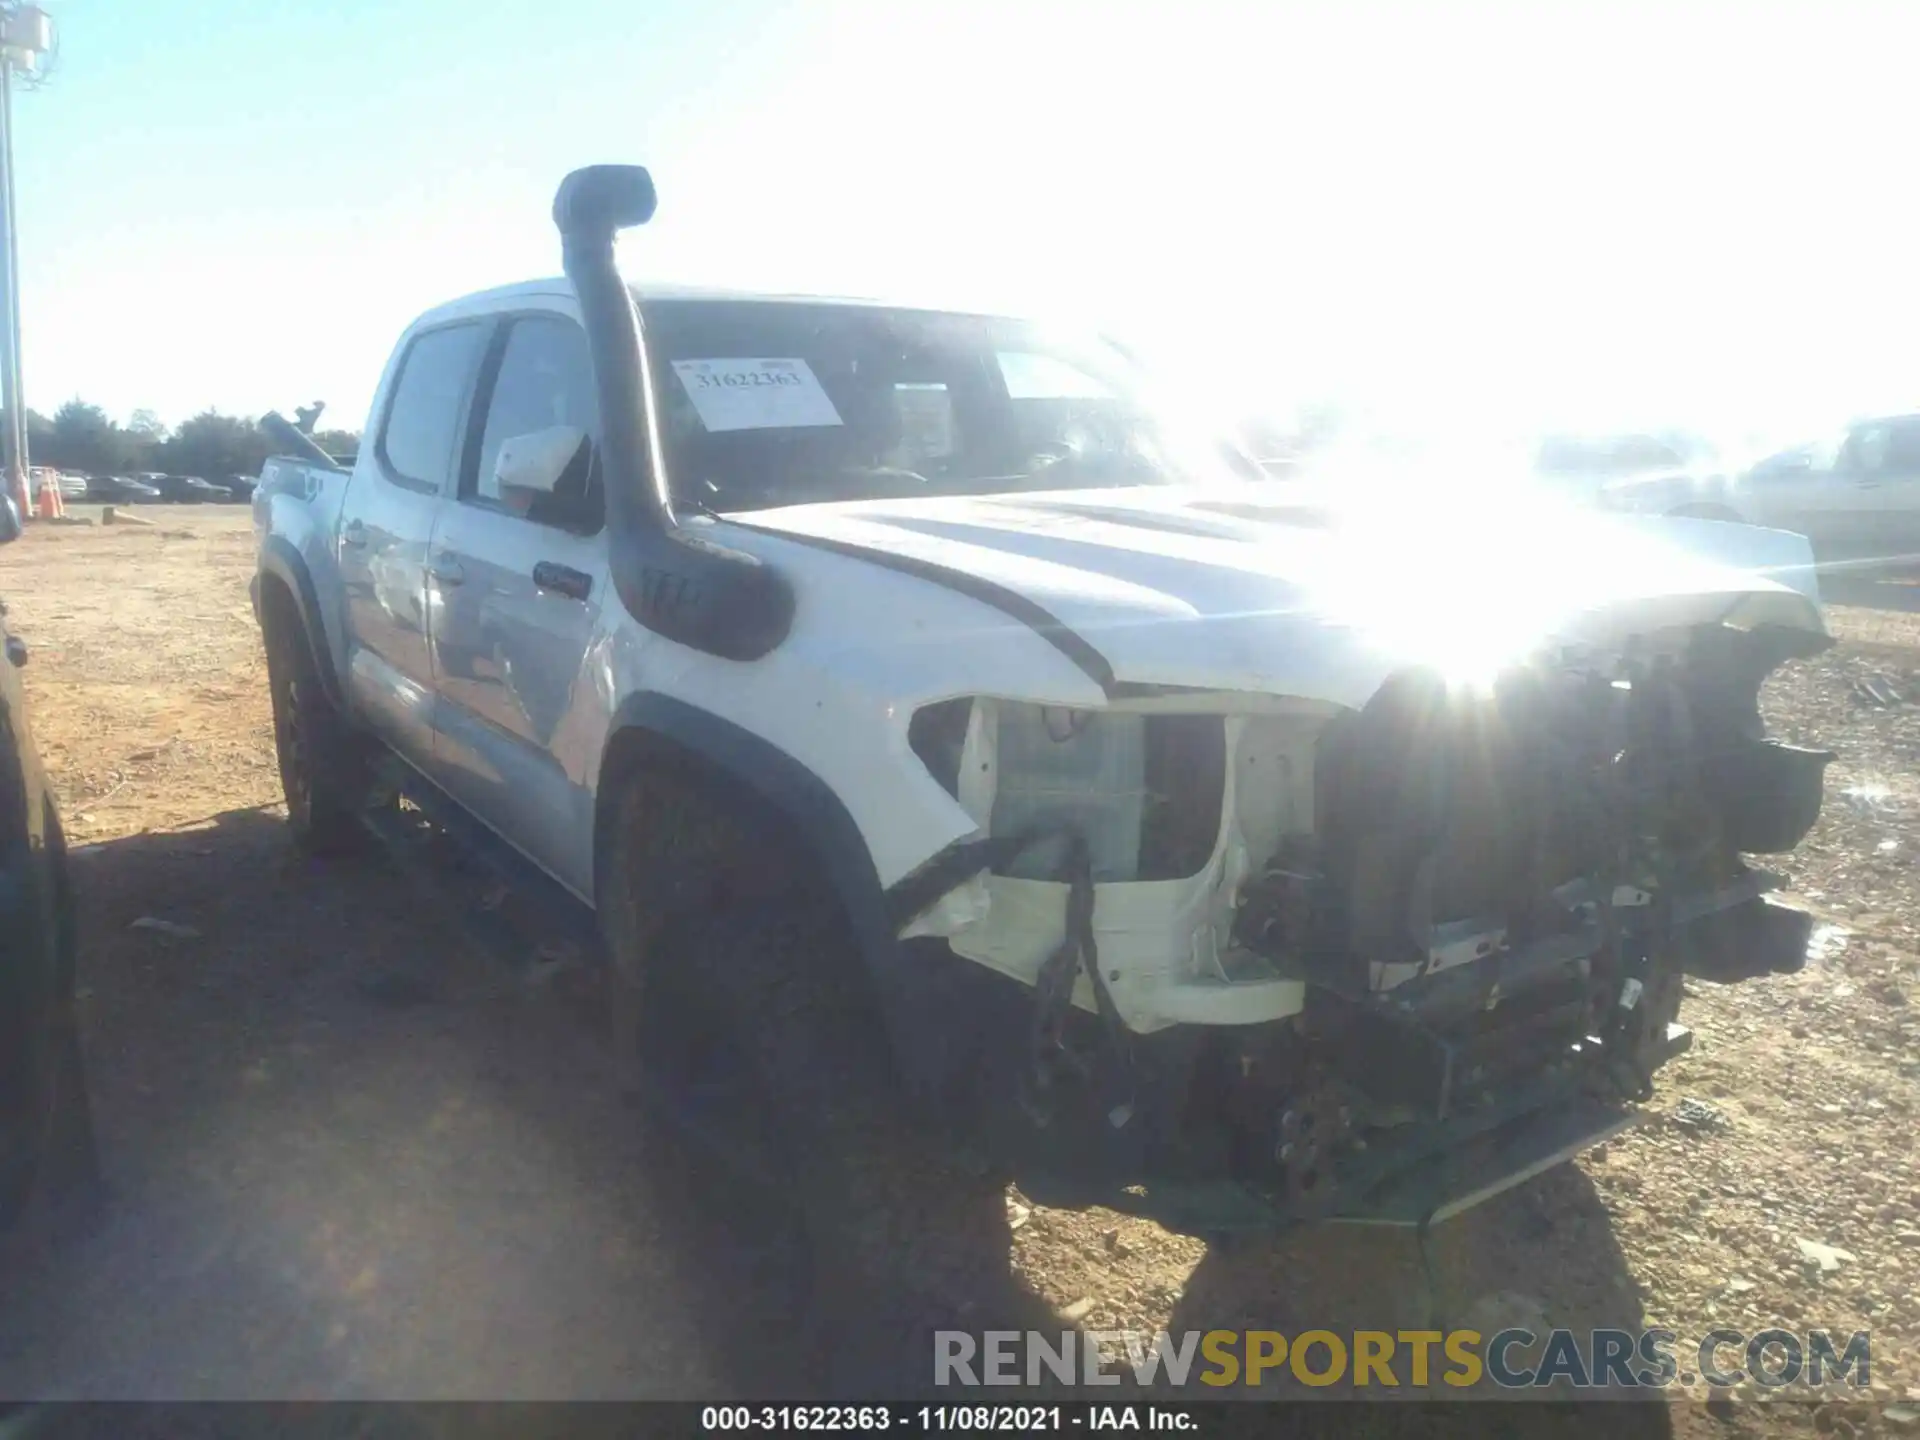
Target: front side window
{"points": [[766, 403], [545, 379], [423, 423]]}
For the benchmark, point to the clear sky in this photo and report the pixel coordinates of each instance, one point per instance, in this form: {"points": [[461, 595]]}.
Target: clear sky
{"points": [[1543, 212]]}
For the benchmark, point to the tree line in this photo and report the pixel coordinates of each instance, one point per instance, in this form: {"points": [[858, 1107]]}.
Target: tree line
{"points": [[84, 439]]}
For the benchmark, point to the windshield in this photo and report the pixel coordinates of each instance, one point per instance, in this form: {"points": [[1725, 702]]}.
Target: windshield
{"points": [[764, 403]]}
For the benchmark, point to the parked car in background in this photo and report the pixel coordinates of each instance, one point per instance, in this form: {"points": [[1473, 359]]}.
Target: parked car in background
{"points": [[120, 490], [188, 490], [1855, 495], [46, 1126], [239, 488], [1644, 473], [71, 487]]}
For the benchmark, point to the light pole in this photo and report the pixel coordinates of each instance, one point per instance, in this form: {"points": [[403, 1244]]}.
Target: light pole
{"points": [[25, 35]]}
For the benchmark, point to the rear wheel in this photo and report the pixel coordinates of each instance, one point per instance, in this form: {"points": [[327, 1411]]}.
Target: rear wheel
{"points": [[46, 1116], [753, 1018], [323, 768]]}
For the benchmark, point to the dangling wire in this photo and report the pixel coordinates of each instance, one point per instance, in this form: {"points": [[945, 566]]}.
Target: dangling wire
{"points": [[1053, 997], [1423, 1237]]}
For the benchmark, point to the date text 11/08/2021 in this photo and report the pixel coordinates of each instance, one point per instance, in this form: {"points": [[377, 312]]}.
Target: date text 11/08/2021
{"points": [[958, 1418]]}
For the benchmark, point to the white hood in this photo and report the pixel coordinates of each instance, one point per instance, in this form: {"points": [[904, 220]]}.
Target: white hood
{"points": [[1315, 601]]}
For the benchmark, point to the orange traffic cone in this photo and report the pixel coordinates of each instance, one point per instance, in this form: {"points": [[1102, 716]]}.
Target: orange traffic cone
{"points": [[51, 507]]}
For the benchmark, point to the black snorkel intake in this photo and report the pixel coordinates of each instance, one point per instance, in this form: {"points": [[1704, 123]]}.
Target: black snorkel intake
{"points": [[678, 585], [298, 442]]}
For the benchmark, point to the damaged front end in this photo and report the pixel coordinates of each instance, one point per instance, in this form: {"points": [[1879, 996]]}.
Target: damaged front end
{"points": [[1286, 962]]}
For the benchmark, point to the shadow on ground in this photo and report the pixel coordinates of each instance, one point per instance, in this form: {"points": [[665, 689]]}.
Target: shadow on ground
{"points": [[353, 1158], [1547, 1246], [347, 1159]]}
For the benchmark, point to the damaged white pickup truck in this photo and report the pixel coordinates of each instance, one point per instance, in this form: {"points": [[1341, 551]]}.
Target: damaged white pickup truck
{"points": [[930, 716]]}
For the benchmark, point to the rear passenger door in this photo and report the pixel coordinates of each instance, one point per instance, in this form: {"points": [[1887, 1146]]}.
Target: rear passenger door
{"points": [[520, 597], [386, 523]]}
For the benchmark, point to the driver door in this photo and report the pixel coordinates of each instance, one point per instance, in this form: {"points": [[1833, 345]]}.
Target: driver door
{"points": [[520, 592]]}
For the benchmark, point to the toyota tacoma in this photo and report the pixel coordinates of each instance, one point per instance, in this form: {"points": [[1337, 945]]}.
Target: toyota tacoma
{"points": [[954, 740]]}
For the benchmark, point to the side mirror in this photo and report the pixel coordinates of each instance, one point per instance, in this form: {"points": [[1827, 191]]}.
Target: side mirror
{"points": [[9, 520], [531, 465]]}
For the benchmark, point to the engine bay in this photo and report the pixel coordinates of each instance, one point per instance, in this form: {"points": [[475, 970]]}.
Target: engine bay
{"points": [[1383, 932]]}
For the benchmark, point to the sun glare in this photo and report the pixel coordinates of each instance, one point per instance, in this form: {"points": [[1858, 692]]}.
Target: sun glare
{"points": [[1463, 585]]}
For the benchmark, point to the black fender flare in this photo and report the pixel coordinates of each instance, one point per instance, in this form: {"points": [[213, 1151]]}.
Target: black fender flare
{"points": [[279, 559], [818, 816]]}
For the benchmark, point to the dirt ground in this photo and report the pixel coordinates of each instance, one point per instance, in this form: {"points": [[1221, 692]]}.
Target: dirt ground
{"points": [[349, 1160]]}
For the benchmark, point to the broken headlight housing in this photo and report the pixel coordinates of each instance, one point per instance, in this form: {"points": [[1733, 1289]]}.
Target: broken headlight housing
{"points": [[1145, 791]]}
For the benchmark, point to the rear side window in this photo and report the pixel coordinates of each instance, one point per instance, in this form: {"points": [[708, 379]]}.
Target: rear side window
{"points": [[423, 425], [1870, 448]]}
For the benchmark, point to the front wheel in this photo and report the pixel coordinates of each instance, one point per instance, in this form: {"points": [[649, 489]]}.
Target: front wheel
{"points": [[755, 1023], [894, 1238]]}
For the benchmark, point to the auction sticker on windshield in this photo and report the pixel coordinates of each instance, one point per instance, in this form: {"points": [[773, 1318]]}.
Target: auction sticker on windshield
{"points": [[756, 394]]}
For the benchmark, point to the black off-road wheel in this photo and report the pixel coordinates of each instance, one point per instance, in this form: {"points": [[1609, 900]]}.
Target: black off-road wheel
{"points": [[753, 1016], [45, 1109], [27, 1101], [47, 1149], [323, 767]]}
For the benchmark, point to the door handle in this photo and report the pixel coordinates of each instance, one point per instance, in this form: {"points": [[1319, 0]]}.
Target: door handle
{"points": [[355, 534], [562, 580], [446, 570]]}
